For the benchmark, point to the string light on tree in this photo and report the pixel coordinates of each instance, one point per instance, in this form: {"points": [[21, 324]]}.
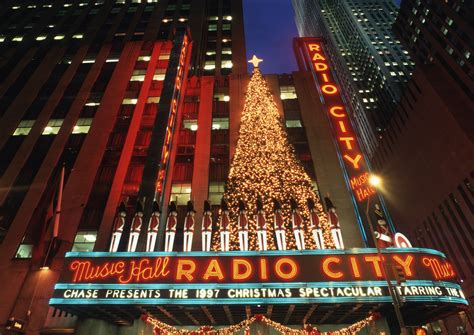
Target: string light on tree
{"points": [[265, 165]]}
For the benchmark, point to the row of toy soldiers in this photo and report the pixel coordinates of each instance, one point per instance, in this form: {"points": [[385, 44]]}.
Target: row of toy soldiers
{"points": [[224, 226]]}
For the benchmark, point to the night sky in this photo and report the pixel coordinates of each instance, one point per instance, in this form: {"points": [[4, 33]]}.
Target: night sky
{"points": [[269, 31]]}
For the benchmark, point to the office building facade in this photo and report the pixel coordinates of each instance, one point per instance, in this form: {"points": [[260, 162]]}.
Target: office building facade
{"points": [[429, 153], [369, 63]]}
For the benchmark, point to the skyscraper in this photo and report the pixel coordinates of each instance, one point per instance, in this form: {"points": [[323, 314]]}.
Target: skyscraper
{"points": [[368, 61], [427, 157]]}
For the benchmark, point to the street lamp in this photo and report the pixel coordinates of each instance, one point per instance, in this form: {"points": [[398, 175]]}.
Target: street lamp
{"points": [[375, 182]]}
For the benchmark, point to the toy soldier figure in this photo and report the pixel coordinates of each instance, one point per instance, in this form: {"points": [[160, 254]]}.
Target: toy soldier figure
{"points": [[171, 223], [153, 226], [206, 227], [261, 226], [242, 224], [117, 229], [334, 222], [297, 224], [189, 227], [224, 225], [382, 232], [278, 225], [315, 224], [135, 228]]}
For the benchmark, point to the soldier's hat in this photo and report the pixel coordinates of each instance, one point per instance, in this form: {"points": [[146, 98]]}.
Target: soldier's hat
{"points": [[276, 205], [293, 204], [224, 205], [311, 204], [242, 205], [190, 207], [172, 207], [139, 207], [329, 203], [207, 206], [156, 208], [121, 208], [259, 204]]}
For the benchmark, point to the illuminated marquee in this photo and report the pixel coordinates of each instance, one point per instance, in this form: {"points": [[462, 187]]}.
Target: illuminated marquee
{"points": [[251, 277]]}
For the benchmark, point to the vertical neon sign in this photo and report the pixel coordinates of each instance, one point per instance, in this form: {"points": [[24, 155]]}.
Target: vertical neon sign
{"points": [[351, 156]]}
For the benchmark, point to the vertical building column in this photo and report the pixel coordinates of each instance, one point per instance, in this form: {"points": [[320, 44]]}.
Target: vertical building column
{"points": [[328, 169], [126, 155], [202, 152]]}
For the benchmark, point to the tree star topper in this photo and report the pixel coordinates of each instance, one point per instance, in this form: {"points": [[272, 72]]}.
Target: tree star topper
{"points": [[255, 60]]}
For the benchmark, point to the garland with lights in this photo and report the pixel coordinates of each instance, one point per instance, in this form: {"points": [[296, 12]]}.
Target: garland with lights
{"points": [[265, 165], [161, 328]]}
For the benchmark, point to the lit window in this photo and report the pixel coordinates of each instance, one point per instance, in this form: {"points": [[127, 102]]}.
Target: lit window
{"points": [[209, 65], [226, 64], [88, 61], [138, 75], [293, 124], [58, 37], [226, 26], [25, 250], [213, 18], [16, 7], [180, 193], [182, 19], [159, 74], [164, 56], [393, 74], [220, 123], [211, 52], [228, 18], [92, 103], [53, 126], [17, 38], [153, 100], [82, 126], [144, 58], [24, 127], [190, 124], [111, 60], [41, 38], [227, 51], [212, 27], [129, 101], [221, 97], [78, 36], [287, 92], [2, 38], [84, 241], [216, 192]]}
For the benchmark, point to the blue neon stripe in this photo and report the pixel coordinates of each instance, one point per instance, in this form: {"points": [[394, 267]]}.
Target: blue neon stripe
{"points": [[63, 286], [248, 301], [254, 253]]}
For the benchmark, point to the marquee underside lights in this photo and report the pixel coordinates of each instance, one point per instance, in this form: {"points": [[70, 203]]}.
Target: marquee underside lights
{"points": [[253, 278]]}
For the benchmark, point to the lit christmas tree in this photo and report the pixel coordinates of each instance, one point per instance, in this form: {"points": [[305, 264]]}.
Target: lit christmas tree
{"points": [[265, 165]]}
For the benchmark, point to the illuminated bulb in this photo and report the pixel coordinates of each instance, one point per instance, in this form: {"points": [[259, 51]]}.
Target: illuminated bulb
{"points": [[375, 180], [166, 20], [228, 18], [194, 127], [226, 98]]}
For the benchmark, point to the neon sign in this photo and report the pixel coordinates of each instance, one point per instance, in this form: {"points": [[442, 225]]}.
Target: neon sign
{"points": [[173, 115], [260, 277]]}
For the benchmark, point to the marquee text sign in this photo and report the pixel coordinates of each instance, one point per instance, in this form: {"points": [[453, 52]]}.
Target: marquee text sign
{"points": [[250, 277]]}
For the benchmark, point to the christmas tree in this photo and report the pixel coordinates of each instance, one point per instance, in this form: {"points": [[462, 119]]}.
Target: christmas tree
{"points": [[265, 165]]}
